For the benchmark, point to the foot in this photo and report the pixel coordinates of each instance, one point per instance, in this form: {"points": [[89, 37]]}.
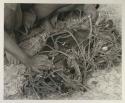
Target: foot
{"points": [[11, 59]]}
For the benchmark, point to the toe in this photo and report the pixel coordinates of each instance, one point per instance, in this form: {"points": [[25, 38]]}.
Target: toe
{"points": [[10, 60], [18, 62], [15, 61]]}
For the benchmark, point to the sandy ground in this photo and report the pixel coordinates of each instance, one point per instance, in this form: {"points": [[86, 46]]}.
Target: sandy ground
{"points": [[104, 84]]}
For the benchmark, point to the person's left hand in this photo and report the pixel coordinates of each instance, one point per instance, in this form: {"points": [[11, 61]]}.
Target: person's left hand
{"points": [[91, 10]]}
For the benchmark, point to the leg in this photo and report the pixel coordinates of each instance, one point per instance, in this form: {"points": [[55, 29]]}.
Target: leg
{"points": [[10, 58], [12, 48]]}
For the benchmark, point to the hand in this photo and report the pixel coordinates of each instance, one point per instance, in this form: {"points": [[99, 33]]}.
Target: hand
{"points": [[91, 10], [38, 63]]}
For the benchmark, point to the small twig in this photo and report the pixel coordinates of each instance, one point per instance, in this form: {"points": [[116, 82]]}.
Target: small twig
{"points": [[49, 87], [30, 77], [54, 83], [90, 34], [76, 43], [58, 51], [55, 71]]}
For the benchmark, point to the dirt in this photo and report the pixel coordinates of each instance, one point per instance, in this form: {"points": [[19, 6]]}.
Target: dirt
{"points": [[103, 84]]}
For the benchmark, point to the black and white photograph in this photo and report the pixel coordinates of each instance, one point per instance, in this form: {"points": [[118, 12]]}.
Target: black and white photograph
{"points": [[62, 51]]}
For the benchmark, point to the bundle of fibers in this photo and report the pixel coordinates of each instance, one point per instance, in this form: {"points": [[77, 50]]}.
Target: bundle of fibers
{"points": [[77, 47]]}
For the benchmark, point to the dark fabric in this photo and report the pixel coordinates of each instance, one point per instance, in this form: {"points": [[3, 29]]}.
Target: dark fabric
{"points": [[26, 7], [12, 17]]}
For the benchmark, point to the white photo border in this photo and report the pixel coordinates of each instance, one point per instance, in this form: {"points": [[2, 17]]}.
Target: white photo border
{"points": [[122, 2]]}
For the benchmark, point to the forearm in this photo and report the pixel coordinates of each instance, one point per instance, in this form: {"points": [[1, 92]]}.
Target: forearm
{"points": [[13, 48]]}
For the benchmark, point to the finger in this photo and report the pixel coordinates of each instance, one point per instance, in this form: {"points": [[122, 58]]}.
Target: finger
{"points": [[11, 60], [14, 61], [28, 68], [38, 70], [44, 68], [8, 60]]}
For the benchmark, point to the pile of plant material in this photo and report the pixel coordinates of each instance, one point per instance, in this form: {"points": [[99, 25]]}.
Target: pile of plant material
{"points": [[76, 47]]}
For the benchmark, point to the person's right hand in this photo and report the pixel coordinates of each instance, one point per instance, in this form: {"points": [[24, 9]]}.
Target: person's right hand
{"points": [[39, 63]]}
